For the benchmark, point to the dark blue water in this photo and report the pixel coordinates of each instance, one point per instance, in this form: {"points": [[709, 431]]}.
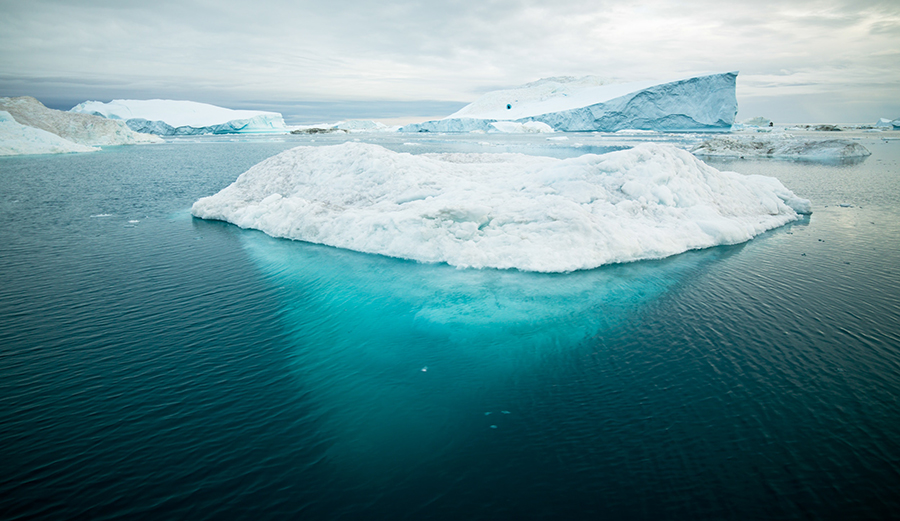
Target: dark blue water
{"points": [[178, 368]]}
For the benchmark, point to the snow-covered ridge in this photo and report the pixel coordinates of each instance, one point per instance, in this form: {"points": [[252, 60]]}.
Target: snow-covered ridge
{"points": [[780, 146], [18, 139], [587, 104], [503, 210], [83, 129], [175, 117]]}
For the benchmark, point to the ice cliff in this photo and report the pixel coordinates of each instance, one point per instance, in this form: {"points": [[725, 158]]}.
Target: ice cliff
{"points": [[83, 129], [184, 118], [503, 210], [780, 146], [17, 139], [705, 103]]}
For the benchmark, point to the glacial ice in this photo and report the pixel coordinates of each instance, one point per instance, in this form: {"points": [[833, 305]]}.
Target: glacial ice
{"points": [[182, 118], [587, 104], [884, 123], [83, 129], [503, 210], [17, 139], [780, 146]]}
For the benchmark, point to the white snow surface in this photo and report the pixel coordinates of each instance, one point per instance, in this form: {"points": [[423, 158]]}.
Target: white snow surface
{"points": [[83, 129], [178, 113], [529, 127], [17, 139], [503, 210], [780, 146]]}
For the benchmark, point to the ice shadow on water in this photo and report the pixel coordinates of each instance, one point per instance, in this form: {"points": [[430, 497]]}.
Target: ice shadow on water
{"points": [[397, 355]]}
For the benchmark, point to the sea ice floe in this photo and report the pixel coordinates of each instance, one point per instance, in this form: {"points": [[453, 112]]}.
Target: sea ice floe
{"points": [[503, 210], [780, 146]]}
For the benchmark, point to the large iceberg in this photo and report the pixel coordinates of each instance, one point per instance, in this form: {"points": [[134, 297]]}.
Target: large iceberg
{"points": [[701, 103], [17, 139], [503, 210], [184, 118], [780, 146], [83, 129]]}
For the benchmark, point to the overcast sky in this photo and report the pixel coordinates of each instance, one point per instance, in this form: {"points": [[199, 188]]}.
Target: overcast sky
{"points": [[799, 61]]}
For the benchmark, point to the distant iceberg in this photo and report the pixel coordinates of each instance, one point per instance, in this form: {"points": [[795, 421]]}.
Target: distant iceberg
{"points": [[503, 210], [19, 139], [884, 123], [780, 146], [83, 129], [184, 118], [702, 103]]}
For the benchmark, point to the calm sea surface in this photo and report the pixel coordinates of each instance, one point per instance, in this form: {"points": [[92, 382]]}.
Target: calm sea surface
{"points": [[157, 366]]}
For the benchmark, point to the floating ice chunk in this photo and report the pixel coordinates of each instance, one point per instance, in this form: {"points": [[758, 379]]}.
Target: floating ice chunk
{"points": [[18, 139], [83, 129], [493, 426], [584, 104], [758, 121], [179, 118], [783, 146], [503, 210], [424, 369], [505, 412]]}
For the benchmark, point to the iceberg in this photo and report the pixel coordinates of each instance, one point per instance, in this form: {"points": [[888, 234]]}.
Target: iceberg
{"points": [[184, 118], [780, 146], [503, 210], [884, 123], [18, 139], [701, 103], [83, 129], [758, 121]]}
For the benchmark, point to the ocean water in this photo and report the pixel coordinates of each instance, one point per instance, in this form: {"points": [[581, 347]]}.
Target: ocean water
{"points": [[157, 366]]}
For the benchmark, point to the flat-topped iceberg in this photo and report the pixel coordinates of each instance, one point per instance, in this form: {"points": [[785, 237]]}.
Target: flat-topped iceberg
{"points": [[780, 146], [184, 118], [84, 129], [704, 103], [503, 210], [19, 139]]}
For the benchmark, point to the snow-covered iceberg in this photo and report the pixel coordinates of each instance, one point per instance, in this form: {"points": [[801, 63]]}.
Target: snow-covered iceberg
{"points": [[704, 103], [503, 210], [18, 139], [184, 118], [884, 123], [83, 129], [780, 146]]}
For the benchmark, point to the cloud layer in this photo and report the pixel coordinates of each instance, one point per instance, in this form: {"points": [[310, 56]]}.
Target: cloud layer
{"points": [[843, 53]]}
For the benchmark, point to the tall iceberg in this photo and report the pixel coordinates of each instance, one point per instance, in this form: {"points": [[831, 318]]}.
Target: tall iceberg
{"points": [[503, 210], [19, 139], [184, 118], [83, 129], [700, 103]]}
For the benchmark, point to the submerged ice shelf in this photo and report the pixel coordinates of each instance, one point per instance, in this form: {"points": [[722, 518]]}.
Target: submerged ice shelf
{"points": [[503, 210]]}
